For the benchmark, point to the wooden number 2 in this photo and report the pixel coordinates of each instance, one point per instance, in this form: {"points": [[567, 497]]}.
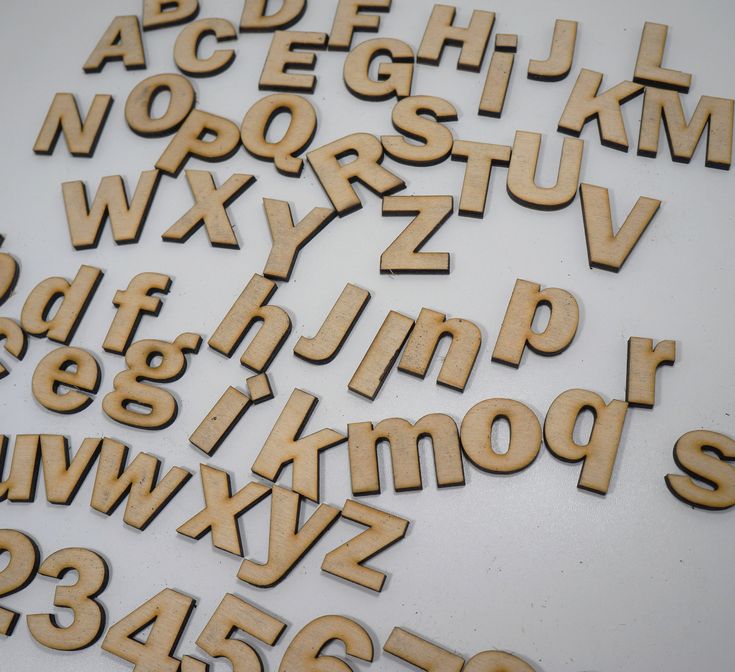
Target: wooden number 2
{"points": [[18, 573], [89, 615]]}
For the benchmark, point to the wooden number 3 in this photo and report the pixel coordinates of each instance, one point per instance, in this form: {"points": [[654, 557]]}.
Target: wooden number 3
{"points": [[89, 615]]}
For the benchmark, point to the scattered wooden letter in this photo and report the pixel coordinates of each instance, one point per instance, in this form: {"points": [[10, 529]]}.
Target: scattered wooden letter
{"points": [[296, 138], [403, 440], [381, 355], [517, 331], [325, 346], [429, 213], [163, 13], [222, 510], [480, 157], [110, 202], [557, 66], [255, 20], [287, 542], [441, 31], [435, 140], [498, 76], [121, 41], [209, 209], [643, 361], [525, 436], [20, 485], [139, 104], [189, 141], [63, 117], [336, 178], [693, 454], [421, 346], [283, 446], [249, 308], [521, 185], [348, 20], [146, 495], [186, 48], [76, 297], [599, 453], [64, 476], [586, 104], [664, 106], [605, 249], [129, 390], [274, 76], [384, 530], [394, 78], [66, 379], [220, 421], [288, 238], [132, 303], [648, 68]]}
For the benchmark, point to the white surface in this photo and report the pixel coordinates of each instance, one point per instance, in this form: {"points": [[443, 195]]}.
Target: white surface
{"points": [[527, 563]]}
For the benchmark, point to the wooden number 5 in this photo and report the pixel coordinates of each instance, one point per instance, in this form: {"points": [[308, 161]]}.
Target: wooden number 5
{"points": [[18, 573], [89, 615], [235, 614]]}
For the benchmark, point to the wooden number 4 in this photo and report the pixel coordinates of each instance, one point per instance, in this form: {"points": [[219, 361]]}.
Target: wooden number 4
{"points": [[168, 613]]}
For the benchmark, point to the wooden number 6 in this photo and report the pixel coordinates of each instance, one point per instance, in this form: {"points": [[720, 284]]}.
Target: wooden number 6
{"points": [[21, 569], [89, 615], [303, 653]]}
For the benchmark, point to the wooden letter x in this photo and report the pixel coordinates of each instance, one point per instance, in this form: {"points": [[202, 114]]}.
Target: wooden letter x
{"points": [[222, 510], [209, 209]]}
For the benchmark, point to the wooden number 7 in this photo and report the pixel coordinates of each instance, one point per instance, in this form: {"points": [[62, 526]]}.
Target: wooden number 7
{"points": [[18, 573]]}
